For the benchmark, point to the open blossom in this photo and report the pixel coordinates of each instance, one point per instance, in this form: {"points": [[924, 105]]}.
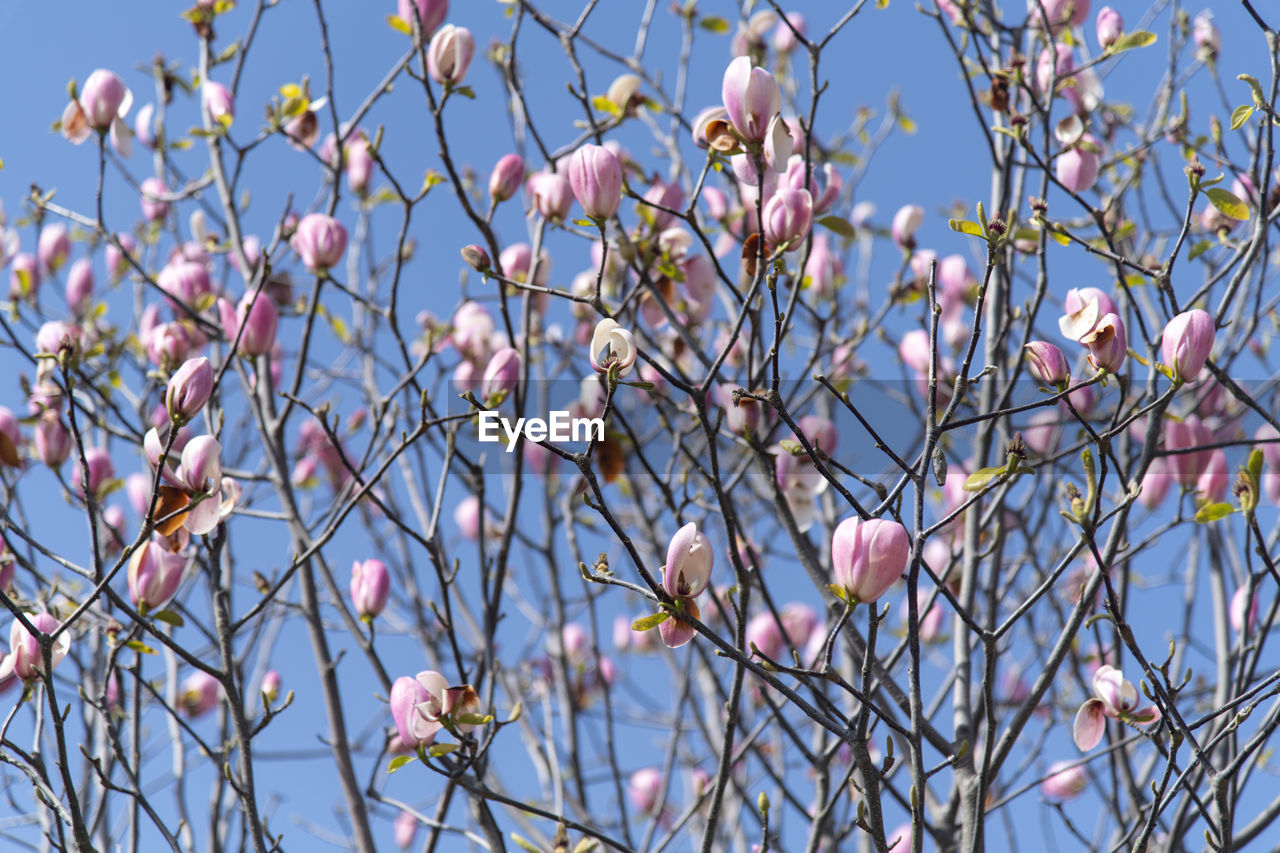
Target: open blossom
{"points": [[1114, 697], [370, 586], [196, 483], [751, 97], [103, 103], [869, 556], [421, 705], [800, 483], [1107, 344], [689, 561], [24, 659], [617, 344]]}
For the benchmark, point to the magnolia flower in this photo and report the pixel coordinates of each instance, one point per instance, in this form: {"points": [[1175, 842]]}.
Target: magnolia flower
{"points": [[869, 556], [800, 484], [1064, 782], [24, 659], [617, 344], [422, 705], [200, 694], [370, 586], [196, 486], [1115, 698], [103, 103], [1107, 344], [689, 562]]}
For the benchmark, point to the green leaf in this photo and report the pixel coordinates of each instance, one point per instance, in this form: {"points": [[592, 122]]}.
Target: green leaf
{"points": [[169, 618], [907, 124], [1255, 87], [400, 24], [139, 646], [714, 25], [400, 761], [525, 845], [1129, 41], [475, 719], [966, 226], [839, 225], [790, 445], [465, 91], [1228, 203], [838, 591], [1199, 249], [584, 223], [1212, 512], [1240, 115], [648, 623], [440, 749], [978, 480]]}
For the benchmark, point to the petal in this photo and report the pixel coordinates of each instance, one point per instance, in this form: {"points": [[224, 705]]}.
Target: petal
{"points": [[1091, 722], [204, 516], [675, 632], [1076, 326], [122, 138]]}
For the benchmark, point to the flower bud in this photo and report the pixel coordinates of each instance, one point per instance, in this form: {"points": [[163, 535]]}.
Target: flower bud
{"points": [[644, 789], [1110, 27], [1064, 782], [476, 257], [189, 389], [52, 440], [79, 285], [449, 54], [552, 194], [1211, 485], [405, 829], [689, 562], [100, 470], [200, 694], [359, 166], [1184, 435], [1047, 363], [1107, 344], [788, 216], [1186, 343], [430, 13], [24, 276], [1077, 167], [751, 97], [905, 222], [258, 322], [53, 247], [370, 585], [1204, 32], [320, 241], [869, 556], [1241, 602], [155, 573], [218, 103], [1155, 483], [101, 98], [467, 516], [151, 199], [596, 179], [270, 687], [506, 177], [784, 35], [500, 377]]}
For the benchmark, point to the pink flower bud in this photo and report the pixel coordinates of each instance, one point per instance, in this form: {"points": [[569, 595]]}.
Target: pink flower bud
{"points": [[784, 36], [53, 247], [905, 222], [79, 285], [689, 562], [1211, 485], [259, 323], [24, 659], [117, 264], [151, 198], [1060, 13], [472, 329], [1110, 27], [663, 195], [417, 704], [101, 98], [405, 829], [596, 179], [552, 194], [1077, 167], [100, 470], [644, 789], [751, 97], [788, 216], [1107, 344], [218, 103], [1240, 601], [467, 516], [449, 54], [144, 128], [431, 13], [155, 574], [57, 335], [370, 585], [359, 166], [869, 556], [1065, 781], [24, 276], [1155, 483], [1189, 433], [200, 694], [320, 241], [1186, 343], [52, 440], [506, 177], [189, 389], [1204, 32], [270, 686], [1047, 363], [501, 376], [764, 632]]}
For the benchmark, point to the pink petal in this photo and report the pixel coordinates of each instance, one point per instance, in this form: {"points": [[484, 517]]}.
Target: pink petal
{"points": [[1090, 724]]}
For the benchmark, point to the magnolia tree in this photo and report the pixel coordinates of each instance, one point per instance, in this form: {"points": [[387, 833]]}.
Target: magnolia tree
{"points": [[792, 521]]}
